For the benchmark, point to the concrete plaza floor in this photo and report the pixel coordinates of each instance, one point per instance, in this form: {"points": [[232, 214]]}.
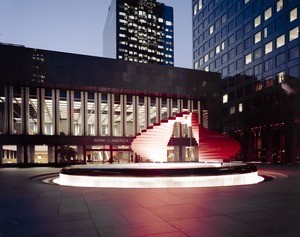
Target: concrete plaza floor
{"points": [[29, 207]]}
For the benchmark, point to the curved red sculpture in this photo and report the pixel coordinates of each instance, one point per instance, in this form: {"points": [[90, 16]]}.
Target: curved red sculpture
{"points": [[152, 143]]}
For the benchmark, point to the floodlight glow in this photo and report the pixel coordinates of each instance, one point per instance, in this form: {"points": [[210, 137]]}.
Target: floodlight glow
{"points": [[159, 182], [192, 179]]}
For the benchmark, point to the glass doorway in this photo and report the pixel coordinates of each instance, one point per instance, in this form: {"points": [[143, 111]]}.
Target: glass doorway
{"points": [[109, 154]]}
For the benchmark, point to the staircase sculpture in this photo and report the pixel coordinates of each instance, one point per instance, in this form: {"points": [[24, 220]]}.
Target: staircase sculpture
{"points": [[151, 144]]}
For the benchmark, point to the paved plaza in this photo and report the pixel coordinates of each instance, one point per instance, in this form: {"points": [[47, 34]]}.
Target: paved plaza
{"points": [[29, 207]]}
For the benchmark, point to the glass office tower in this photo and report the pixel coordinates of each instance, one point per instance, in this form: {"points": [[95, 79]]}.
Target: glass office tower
{"points": [[255, 45], [139, 31]]}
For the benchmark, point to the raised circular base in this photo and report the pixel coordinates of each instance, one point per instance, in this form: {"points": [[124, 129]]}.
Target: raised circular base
{"points": [[159, 175]]}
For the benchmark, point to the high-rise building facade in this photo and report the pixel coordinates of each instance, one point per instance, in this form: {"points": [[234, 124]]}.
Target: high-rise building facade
{"points": [[255, 45], [139, 31]]}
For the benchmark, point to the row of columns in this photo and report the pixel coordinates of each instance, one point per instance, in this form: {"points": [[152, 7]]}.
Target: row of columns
{"points": [[84, 112]]}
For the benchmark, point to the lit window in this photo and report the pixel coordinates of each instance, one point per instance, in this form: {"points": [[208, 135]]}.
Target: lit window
{"points": [[168, 23], [206, 58], [294, 33], [268, 13], [200, 5], [257, 37], [195, 9], [218, 49], [225, 98], [122, 13], [240, 107], [206, 68], [268, 47], [280, 76], [196, 65], [293, 14], [280, 41], [257, 21], [279, 5], [211, 29], [248, 58], [232, 110], [266, 32], [223, 45], [121, 35], [160, 20]]}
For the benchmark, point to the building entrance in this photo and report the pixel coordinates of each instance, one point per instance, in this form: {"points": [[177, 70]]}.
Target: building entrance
{"points": [[109, 154]]}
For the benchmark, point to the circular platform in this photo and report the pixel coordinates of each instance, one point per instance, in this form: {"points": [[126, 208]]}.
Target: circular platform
{"points": [[159, 175]]}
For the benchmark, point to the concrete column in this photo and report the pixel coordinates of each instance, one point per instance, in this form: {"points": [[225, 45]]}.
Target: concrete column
{"points": [[56, 111], [9, 110], [147, 101], [169, 107], [51, 154], [180, 105], [190, 105], [135, 105], [26, 110], [80, 153], [158, 110], [30, 153], [96, 111], [70, 108], [100, 113], [199, 112], [40, 110], [123, 103], [20, 154], [111, 102], [84, 113], [183, 154], [196, 153]]}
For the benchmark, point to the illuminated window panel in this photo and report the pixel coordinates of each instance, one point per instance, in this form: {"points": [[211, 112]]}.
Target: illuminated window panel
{"points": [[248, 58], [293, 14], [294, 34], [279, 5], [257, 21], [268, 13], [257, 37], [280, 41], [268, 47]]}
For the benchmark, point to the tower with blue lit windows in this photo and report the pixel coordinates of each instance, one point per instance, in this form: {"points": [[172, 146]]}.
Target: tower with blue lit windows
{"points": [[255, 45]]}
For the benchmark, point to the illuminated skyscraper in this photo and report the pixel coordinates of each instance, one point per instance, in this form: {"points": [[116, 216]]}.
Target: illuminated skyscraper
{"points": [[255, 45], [139, 31]]}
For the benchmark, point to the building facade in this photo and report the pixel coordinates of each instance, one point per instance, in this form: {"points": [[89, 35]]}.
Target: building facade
{"points": [[255, 45], [139, 31], [96, 105]]}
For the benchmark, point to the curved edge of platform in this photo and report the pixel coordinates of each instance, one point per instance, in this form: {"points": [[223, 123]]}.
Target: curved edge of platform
{"points": [[159, 182]]}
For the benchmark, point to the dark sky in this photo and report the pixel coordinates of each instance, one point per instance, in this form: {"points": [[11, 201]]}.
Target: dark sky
{"points": [[76, 26]]}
